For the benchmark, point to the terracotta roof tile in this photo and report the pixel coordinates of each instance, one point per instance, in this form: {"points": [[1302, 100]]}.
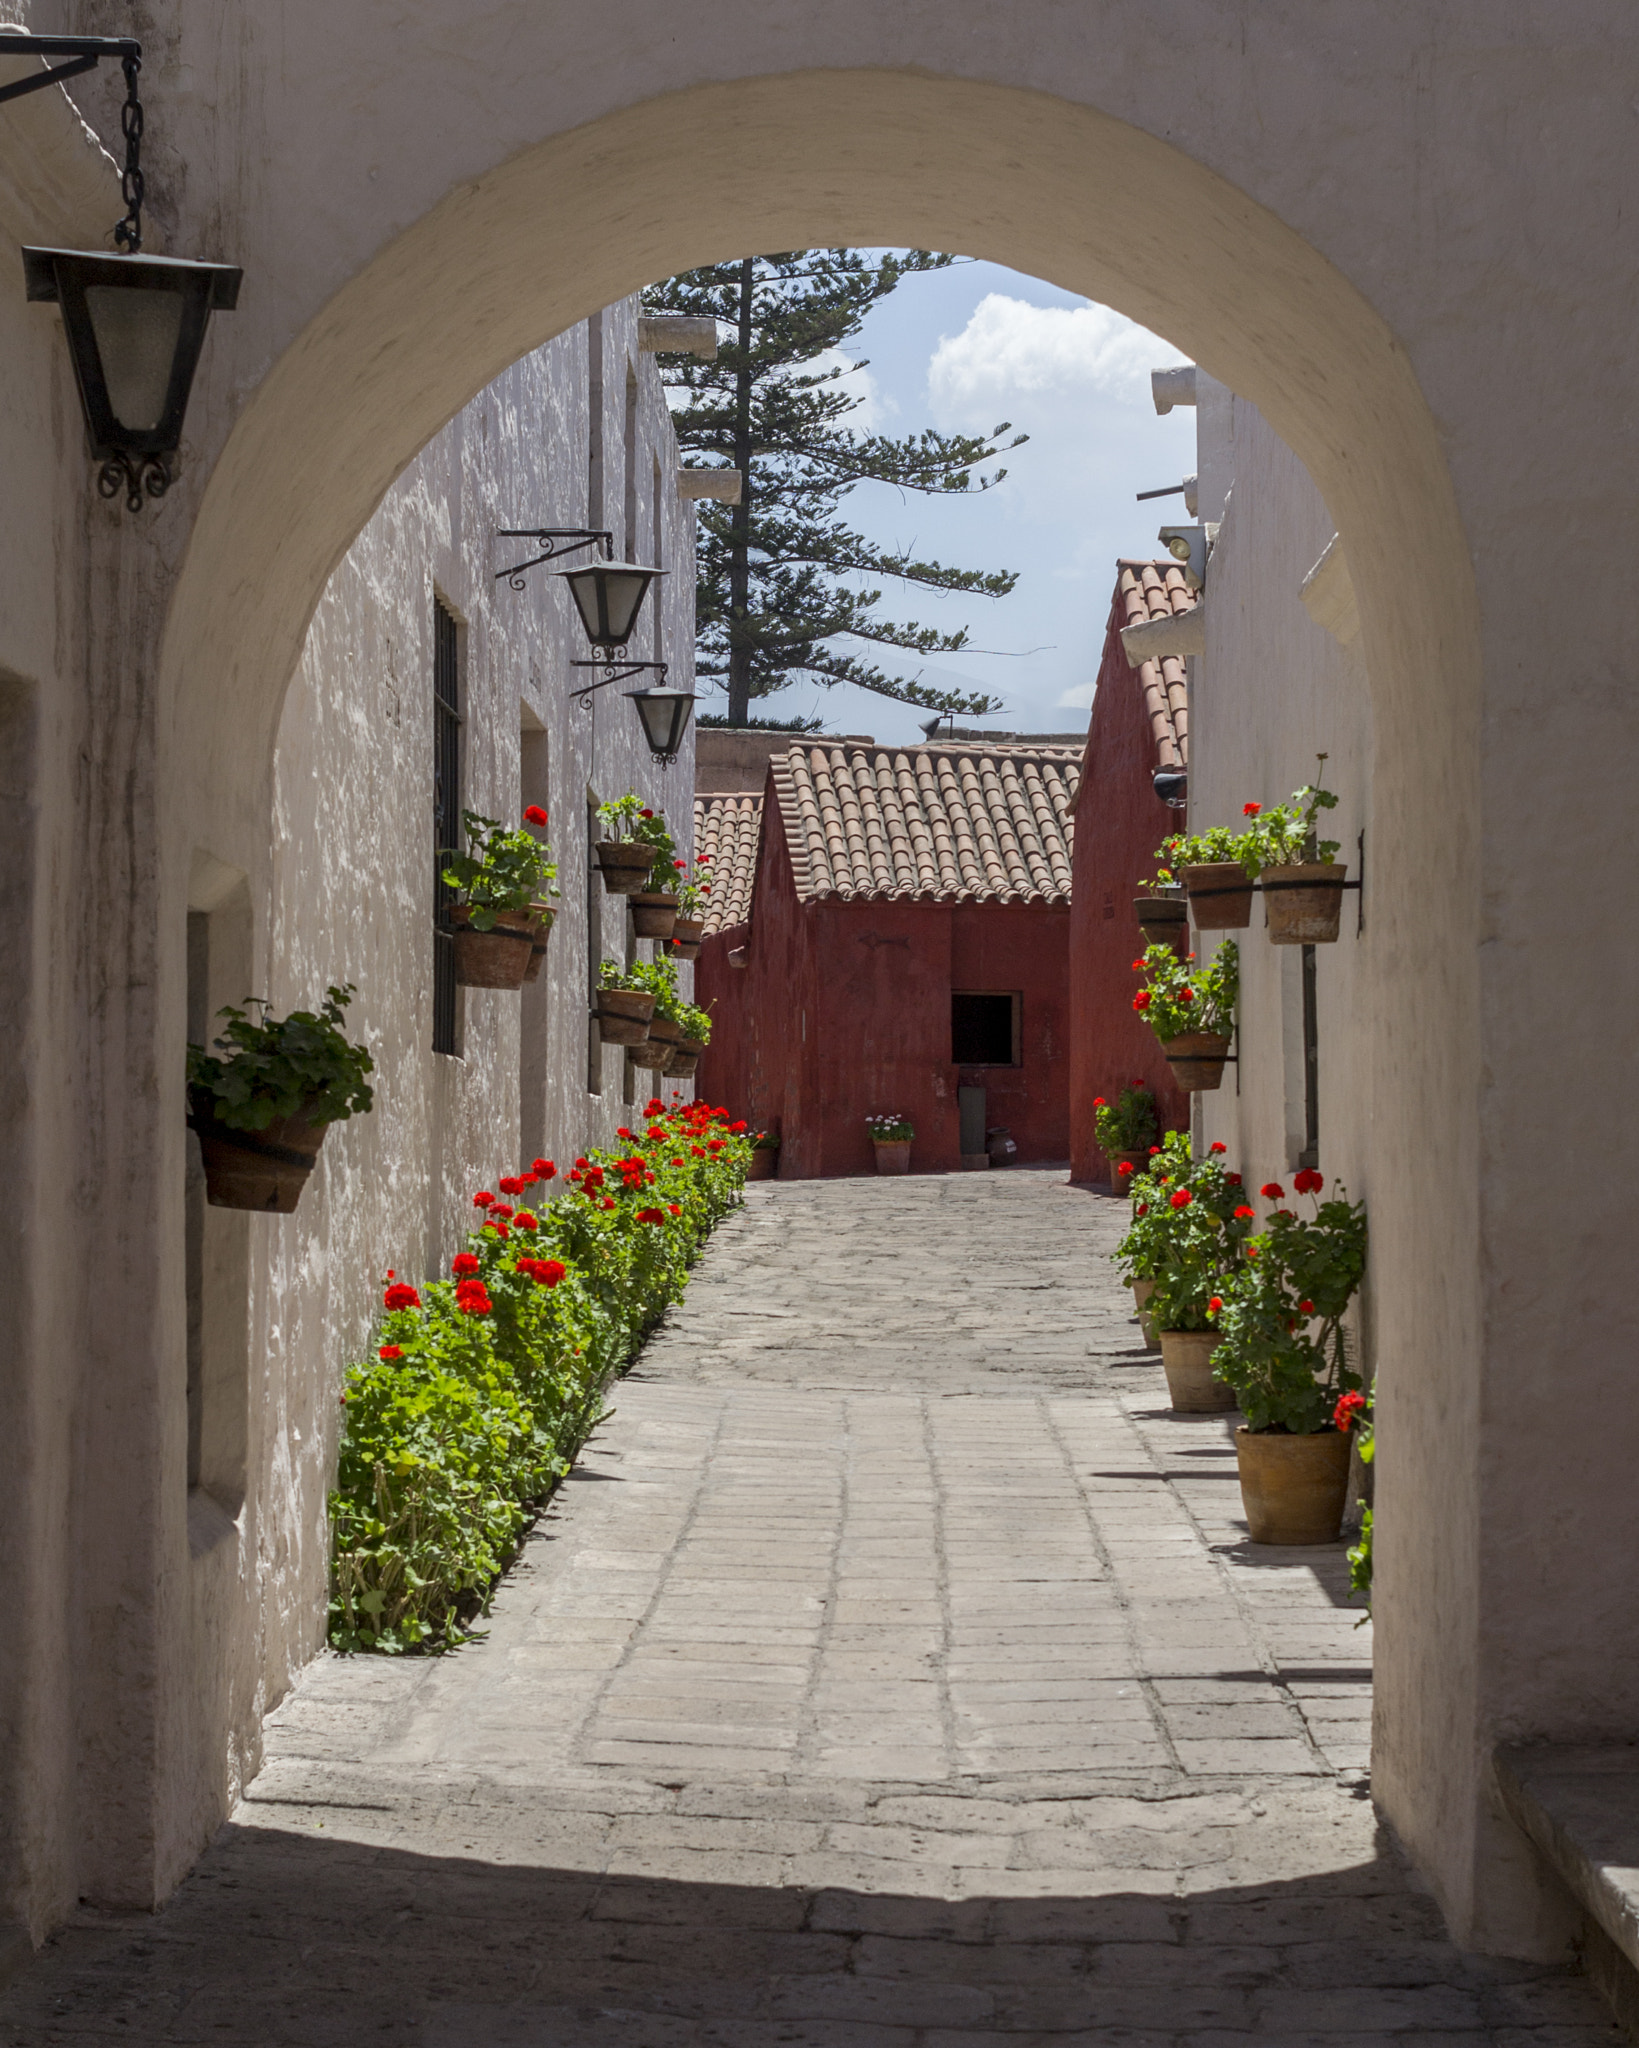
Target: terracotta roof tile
{"points": [[951, 822], [727, 828], [1156, 590]]}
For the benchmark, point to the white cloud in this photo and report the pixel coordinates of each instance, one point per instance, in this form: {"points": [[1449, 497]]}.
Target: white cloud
{"points": [[1079, 697], [1011, 351]]}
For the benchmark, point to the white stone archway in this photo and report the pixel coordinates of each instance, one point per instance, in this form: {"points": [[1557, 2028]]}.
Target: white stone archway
{"points": [[1245, 194]]}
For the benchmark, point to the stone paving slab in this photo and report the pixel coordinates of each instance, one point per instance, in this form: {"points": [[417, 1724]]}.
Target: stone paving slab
{"points": [[894, 1672]]}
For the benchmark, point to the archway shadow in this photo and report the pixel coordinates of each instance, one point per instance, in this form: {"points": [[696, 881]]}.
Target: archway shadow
{"points": [[289, 1932]]}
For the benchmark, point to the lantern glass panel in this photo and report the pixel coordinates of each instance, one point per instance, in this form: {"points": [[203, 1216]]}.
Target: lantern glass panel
{"points": [[609, 596], [136, 334], [665, 716]]}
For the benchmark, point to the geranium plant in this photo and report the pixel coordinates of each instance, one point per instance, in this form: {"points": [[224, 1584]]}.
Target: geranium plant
{"points": [[1285, 1350], [265, 1068], [696, 1024], [1180, 995], [1190, 1223], [1129, 1125], [890, 1130], [659, 977], [1198, 849], [506, 869], [693, 890], [629, 819], [1288, 834]]}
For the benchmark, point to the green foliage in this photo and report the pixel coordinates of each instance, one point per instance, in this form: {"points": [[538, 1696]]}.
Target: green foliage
{"points": [[628, 818], [696, 1023], [1178, 995], [274, 1067], [692, 890], [506, 869], [659, 977], [1195, 849], [1360, 1551], [1288, 833], [484, 1386], [1284, 1348], [1190, 1222], [1130, 1126], [779, 573]]}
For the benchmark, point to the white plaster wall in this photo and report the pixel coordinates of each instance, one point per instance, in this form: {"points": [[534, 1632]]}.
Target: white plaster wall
{"points": [[350, 899]]}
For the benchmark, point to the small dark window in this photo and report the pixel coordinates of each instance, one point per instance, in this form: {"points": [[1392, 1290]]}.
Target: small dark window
{"points": [[446, 818], [984, 1030]]}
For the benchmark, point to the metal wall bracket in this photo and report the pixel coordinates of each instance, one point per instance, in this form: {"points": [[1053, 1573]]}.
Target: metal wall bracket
{"points": [[615, 670], [84, 52], [553, 541]]}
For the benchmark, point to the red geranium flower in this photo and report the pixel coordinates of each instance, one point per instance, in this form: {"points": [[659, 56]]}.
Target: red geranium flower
{"points": [[1180, 1198], [1308, 1182], [464, 1263], [1250, 810], [1306, 1308], [472, 1298], [1098, 1102], [503, 1210], [548, 1272], [736, 1129], [1272, 1191], [525, 1221], [1125, 1167], [1138, 1081], [622, 1132], [534, 815], [675, 1207], [1214, 1304], [680, 865], [645, 814], [1155, 1151], [1138, 967], [654, 1102], [1141, 1001], [510, 1185], [391, 1275], [401, 1296], [1143, 1209], [699, 1151], [1233, 1179], [388, 1351], [650, 1216], [1349, 1409], [1243, 1212], [1186, 995], [1217, 1145], [607, 1203], [543, 1167], [483, 1199]]}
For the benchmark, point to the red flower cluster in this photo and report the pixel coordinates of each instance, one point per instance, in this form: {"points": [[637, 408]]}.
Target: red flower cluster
{"points": [[1350, 1408], [543, 1169], [1233, 1179], [1098, 1102], [1250, 810], [1244, 1211], [534, 815], [1141, 1001], [651, 1216], [1306, 1308], [544, 1272], [483, 1199], [390, 1351], [463, 1265], [472, 1298], [524, 1220], [1125, 1167], [1143, 1209], [1308, 1182], [1217, 1145], [1180, 1198], [1272, 1191], [401, 1295], [1214, 1304]]}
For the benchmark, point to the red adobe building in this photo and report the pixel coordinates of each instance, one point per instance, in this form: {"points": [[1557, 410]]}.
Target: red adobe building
{"points": [[1140, 723], [889, 933]]}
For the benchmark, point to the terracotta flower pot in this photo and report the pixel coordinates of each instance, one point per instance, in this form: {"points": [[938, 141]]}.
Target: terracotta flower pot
{"points": [[498, 958], [653, 1052], [264, 1170], [1142, 1290], [541, 927], [1197, 1059], [653, 914], [626, 865], [893, 1155], [665, 1030], [764, 1163], [1293, 1487], [1220, 895], [1186, 1359], [1119, 1181], [681, 1066], [1164, 920], [1303, 903], [623, 1015], [687, 934]]}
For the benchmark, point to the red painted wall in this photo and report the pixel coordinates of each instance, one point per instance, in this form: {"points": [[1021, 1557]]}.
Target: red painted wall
{"points": [[842, 1011], [1120, 821]]}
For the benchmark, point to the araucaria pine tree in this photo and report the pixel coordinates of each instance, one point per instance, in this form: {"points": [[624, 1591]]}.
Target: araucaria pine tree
{"points": [[778, 576]]}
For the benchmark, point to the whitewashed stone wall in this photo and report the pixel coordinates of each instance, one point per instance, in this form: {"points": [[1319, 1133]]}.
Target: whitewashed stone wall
{"points": [[350, 899]]}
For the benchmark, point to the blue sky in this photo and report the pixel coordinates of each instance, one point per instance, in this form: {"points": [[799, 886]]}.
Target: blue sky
{"points": [[959, 350]]}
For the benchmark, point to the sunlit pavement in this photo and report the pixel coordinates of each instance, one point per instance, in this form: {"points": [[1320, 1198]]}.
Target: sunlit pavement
{"points": [[893, 1670]]}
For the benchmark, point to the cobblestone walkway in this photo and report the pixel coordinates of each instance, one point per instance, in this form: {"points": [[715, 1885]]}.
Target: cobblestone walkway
{"points": [[893, 1673]]}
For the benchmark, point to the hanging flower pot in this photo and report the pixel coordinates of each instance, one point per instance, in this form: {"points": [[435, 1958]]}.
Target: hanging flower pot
{"points": [[1220, 895], [666, 1029], [1164, 920], [623, 1015], [1186, 1359], [653, 1053], [625, 865], [1293, 1487], [685, 1058], [1197, 1059], [265, 1169], [540, 928], [1303, 902], [654, 914], [687, 935], [497, 958]]}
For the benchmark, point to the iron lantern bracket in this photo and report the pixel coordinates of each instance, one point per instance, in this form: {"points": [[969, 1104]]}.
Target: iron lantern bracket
{"points": [[553, 541], [616, 669], [83, 52]]}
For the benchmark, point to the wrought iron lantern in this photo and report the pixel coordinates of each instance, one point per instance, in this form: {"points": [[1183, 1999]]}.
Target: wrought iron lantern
{"points": [[135, 323], [609, 596], [664, 715]]}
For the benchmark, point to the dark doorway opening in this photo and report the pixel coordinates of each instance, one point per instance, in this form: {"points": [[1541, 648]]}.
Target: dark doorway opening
{"points": [[984, 1030]]}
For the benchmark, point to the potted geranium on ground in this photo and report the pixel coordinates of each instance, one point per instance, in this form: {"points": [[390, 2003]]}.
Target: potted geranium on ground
{"points": [[1190, 1221], [1283, 1348], [263, 1100], [765, 1156], [1126, 1131], [503, 884], [1191, 1009], [1302, 884], [892, 1137]]}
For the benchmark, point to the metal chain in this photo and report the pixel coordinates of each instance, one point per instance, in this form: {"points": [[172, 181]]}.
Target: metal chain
{"points": [[128, 233]]}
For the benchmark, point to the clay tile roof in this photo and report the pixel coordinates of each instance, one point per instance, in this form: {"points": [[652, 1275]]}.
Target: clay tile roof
{"points": [[727, 828], [948, 822], [1154, 590]]}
